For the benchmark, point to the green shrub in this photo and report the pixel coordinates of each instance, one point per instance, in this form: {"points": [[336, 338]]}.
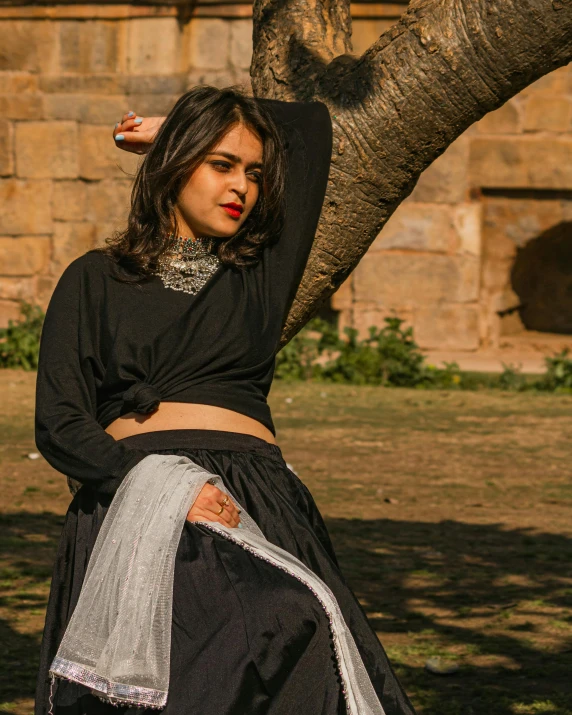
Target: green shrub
{"points": [[20, 341], [388, 356], [448, 377], [511, 378], [295, 360], [558, 376]]}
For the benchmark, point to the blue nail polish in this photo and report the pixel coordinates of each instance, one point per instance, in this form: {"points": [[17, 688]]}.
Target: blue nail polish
{"points": [[131, 114], [138, 121], [116, 125], [119, 137]]}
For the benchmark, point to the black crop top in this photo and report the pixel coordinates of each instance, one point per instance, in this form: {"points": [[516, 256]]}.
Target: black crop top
{"points": [[108, 348]]}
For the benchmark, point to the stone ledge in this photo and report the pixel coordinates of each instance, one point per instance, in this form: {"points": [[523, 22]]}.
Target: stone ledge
{"points": [[204, 8]]}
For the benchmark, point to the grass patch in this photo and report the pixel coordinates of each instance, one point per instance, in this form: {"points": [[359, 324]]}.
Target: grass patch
{"points": [[449, 511]]}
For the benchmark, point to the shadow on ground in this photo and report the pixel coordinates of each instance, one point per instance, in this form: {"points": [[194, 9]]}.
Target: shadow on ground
{"points": [[480, 595], [476, 594], [27, 549]]}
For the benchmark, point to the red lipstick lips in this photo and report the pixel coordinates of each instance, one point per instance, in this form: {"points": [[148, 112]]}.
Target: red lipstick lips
{"points": [[233, 209]]}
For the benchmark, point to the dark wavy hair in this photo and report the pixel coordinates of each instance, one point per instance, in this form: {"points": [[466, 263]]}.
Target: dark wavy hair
{"points": [[197, 122]]}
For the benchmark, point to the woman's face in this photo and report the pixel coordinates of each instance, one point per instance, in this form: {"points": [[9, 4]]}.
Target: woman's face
{"points": [[230, 174]]}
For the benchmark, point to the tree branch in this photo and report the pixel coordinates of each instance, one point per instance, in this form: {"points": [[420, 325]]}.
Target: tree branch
{"points": [[443, 66]]}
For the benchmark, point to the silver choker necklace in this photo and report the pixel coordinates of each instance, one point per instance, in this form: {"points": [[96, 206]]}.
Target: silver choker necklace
{"points": [[188, 263]]}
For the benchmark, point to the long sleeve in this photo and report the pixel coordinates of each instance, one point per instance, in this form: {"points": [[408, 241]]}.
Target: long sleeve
{"points": [[307, 131], [66, 431]]}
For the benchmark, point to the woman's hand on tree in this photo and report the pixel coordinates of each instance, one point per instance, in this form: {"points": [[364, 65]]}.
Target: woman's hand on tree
{"points": [[207, 507], [136, 134]]}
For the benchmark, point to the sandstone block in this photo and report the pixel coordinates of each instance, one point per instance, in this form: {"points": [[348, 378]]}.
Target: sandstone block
{"points": [[150, 84], [446, 179], [467, 221], [153, 46], [24, 256], [505, 120], [566, 209], [6, 148], [26, 207], [517, 221], [108, 201], [44, 287], [18, 82], [17, 289], [447, 327], [550, 113], [28, 45], [521, 163], [47, 150], [107, 84], [88, 47], [9, 310], [150, 105], [105, 230], [216, 78], [71, 240], [208, 43], [396, 279], [99, 158], [241, 43], [68, 200], [85, 108], [21, 106], [417, 227]]}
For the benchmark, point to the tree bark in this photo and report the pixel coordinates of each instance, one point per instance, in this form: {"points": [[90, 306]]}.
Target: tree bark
{"points": [[395, 109]]}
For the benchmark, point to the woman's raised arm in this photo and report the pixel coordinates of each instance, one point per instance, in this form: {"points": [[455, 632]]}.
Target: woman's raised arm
{"points": [[136, 134]]}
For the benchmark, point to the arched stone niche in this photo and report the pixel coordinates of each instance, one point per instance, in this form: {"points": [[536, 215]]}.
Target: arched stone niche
{"points": [[526, 275]]}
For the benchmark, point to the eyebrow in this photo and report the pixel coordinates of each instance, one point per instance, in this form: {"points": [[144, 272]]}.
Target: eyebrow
{"points": [[237, 159]]}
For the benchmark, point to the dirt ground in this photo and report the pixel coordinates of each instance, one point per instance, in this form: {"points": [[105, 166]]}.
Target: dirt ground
{"points": [[450, 513]]}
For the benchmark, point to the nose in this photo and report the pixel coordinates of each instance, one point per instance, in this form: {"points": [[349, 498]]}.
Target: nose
{"points": [[240, 184]]}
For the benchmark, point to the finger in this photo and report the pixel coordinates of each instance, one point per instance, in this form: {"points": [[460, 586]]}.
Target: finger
{"points": [[199, 514], [230, 506], [228, 503], [131, 124], [226, 517], [132, 137], [130, 114], [215, 507]]}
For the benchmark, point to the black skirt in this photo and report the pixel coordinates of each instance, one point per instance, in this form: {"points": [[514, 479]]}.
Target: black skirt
{"points": [[247, 638]]}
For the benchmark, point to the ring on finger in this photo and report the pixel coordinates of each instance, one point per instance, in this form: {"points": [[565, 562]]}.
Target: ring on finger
{"points": [[221, 511], [225, 501]]}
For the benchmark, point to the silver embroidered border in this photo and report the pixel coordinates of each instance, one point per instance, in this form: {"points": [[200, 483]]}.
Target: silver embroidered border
{"points": [[115, 693]]}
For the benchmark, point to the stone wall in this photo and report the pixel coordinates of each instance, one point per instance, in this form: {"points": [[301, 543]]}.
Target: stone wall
{"points": [[64, 82], [443, 261], [68, 72]]}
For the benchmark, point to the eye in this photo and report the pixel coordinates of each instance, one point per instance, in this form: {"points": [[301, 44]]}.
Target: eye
{"points": [[257, 176], [221, 165]]}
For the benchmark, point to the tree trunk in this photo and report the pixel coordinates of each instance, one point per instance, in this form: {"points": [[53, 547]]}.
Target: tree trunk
{"points": [[395, 109]]}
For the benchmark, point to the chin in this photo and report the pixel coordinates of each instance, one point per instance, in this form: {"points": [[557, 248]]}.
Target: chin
{"points": [[225, 232]]}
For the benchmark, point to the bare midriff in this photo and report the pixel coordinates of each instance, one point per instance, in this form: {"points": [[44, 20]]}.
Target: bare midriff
{"points": [[188, 415]]}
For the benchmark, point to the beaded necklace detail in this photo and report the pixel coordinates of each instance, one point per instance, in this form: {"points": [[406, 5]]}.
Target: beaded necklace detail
{"points": [[188, 263]]}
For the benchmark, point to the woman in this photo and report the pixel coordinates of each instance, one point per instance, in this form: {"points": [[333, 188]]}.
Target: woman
{"points": [[162, 346]]}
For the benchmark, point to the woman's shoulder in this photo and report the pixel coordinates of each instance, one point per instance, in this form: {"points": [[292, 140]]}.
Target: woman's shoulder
{"points": [[94, 262], [89, 270]]}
